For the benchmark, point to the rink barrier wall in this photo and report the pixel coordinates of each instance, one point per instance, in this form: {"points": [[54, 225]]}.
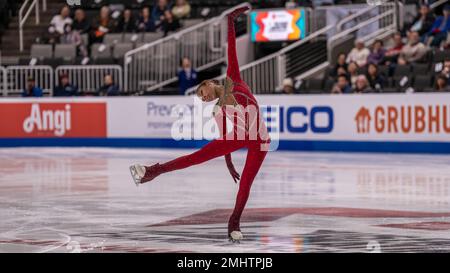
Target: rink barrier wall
{"points": [[397, 123], [285, 145]]}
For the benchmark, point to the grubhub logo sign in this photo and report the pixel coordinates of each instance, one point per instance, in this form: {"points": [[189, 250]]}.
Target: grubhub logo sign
{"points": [[25, 120], [404, 119]]}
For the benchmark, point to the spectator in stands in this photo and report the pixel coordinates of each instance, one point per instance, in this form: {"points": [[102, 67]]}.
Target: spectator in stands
{"points": [[447, 45], [288, 86], [422, 22], [340, 63], [101, 26], [73, 37], [446, 71], [126, 22], [352, 70], [362, 85], [181, 10], [375, 78], [80, 22], [441, 27], [109, 88], [400, 61], [341, 71], [442, 84], [65, 88], [358, 54], [377, 54], [414, 50], [51, 37], [187, 76], [60, 20], [158, 12], [342, 86], [392, 53], [145, 23], [32, 89], [169, 23]]}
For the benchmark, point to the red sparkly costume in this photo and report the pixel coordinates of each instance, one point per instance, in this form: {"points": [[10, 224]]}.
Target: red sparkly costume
{"points": [[226, 145]]}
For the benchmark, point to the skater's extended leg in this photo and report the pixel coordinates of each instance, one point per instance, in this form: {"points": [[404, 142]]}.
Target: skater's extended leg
{"points": [[211, 150]]}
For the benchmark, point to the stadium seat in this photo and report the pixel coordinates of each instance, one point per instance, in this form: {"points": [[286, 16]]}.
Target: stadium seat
{"points": [[101, 51], [151, 37], [120, 50], [104, 61], [113, 38], [40, 51], [440, 56], [191, 22], [315, 86], [132, 37], [421, 82], [402, 82], [328, 85], [384, 70], [421, 69], [26, 61], [53, 62], [66, 51], [390, 90], [402, 70]]}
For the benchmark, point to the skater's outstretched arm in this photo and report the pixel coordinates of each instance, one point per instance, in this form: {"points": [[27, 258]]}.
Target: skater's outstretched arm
{"points": [[221, 121], [233, 64]]}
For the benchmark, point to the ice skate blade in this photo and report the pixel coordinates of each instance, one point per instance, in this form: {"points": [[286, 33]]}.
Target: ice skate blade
{"points": [[236, 237], [231, 240], [134, 174]]}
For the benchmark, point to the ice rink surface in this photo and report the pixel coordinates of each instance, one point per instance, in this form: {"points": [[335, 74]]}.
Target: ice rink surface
{"points": [[84, 200]]}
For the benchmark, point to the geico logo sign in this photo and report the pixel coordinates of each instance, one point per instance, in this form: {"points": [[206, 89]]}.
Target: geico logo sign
{"points": [[404, 119], [299, 119], [56, 121]]}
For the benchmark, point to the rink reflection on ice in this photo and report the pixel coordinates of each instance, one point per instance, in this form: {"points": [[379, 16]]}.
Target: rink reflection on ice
{"points": [[84, 200]]}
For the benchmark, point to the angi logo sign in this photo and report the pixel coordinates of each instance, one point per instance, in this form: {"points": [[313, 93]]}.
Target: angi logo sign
{"points": [[37, 120], [56, 121], [362, 119]]}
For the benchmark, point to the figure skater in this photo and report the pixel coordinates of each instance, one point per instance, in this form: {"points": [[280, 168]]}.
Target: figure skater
{"points": [[236, 101]]}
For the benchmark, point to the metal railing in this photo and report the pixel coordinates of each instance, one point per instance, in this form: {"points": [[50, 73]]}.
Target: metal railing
{"points": [[27, 8], [17, 78], [438, 3], [3, 80], [363, 14], [387, 16], [155, 64], [255, 73], [90, 78]]}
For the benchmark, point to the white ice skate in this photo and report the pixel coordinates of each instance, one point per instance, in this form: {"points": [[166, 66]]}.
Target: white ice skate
{"points": [[137, 172], [236, 236]]}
